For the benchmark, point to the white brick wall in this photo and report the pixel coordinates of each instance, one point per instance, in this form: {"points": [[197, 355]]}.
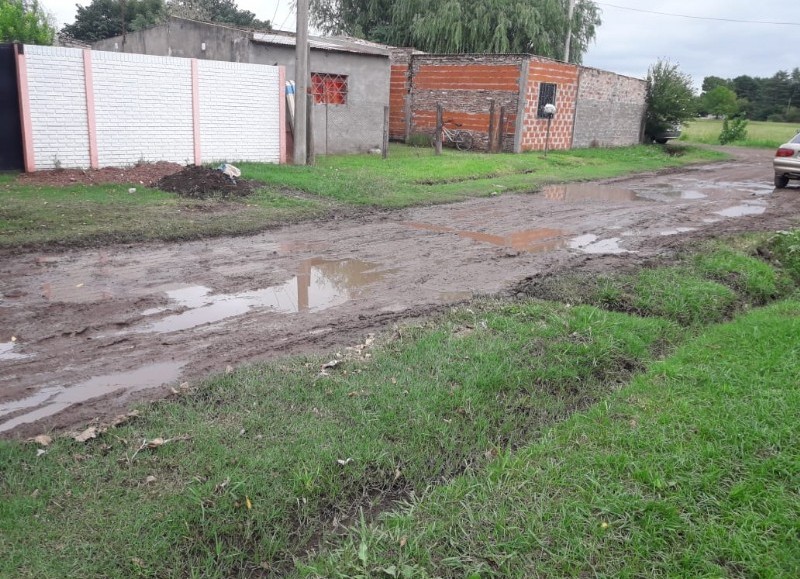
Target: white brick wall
{"points": [[239, 112], [57, 93], [143, 108]]}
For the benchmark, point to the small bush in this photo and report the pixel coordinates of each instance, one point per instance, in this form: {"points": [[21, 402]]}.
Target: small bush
{"points": [[735, 130]]}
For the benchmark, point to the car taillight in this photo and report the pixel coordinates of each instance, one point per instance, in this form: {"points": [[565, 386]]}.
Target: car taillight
{"points": [[782, 152]]}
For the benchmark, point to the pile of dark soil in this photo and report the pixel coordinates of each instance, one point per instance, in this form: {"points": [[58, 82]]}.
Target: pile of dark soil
{"points": [[201, 183]]}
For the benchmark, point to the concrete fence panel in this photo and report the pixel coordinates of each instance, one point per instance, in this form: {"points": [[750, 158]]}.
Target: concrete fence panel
{"points": [[83, 108]]}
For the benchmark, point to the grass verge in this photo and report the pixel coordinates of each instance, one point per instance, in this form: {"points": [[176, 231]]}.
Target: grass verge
{"points": [[79, 215], [414, 176], [760, 134], [690, 465], [690, 471]]}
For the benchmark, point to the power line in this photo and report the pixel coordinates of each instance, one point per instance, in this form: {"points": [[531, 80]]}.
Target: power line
{"points": [[275, 14], [288, 15], [699, 17]]}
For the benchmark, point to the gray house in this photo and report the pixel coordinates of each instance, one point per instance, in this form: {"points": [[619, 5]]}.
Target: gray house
{"points": [[349, 77]]}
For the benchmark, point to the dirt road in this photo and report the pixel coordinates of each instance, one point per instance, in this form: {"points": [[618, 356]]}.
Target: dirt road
{"points": [[84, 333]]}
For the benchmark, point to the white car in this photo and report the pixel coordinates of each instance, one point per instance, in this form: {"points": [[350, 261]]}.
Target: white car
{"points": [[787, 162]]}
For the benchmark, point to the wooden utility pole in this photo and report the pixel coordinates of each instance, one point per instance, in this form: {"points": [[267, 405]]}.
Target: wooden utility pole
{"points": [[301, 75], [437, 136], [569, 29], [490, 140]]}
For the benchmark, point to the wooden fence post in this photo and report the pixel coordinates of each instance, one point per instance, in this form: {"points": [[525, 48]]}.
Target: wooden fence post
{"points": [[385, 151], [437, 137], [490, 139], [501, 132]]}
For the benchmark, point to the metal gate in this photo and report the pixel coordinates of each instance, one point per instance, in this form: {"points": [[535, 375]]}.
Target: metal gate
{"points": [[11, 142]]}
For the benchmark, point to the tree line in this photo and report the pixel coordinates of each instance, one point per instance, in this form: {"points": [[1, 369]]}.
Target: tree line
{"points": [[776, 98], [447, 26]]}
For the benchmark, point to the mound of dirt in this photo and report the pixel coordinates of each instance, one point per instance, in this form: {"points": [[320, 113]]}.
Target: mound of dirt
{"points": [[202, 183], [142, 174]]}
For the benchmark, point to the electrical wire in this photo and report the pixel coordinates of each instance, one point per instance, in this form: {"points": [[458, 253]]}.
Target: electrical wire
{"points": [[698, 17]]}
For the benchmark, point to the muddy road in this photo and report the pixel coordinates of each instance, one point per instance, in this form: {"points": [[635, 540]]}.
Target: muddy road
{"points": [[94, 330]]}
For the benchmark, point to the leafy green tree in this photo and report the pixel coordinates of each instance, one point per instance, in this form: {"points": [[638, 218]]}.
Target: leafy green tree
{"points": [[222, 11], [25, 21], [712, 82], [504, 26], [670, 97], [106, 18], [720, 102]]}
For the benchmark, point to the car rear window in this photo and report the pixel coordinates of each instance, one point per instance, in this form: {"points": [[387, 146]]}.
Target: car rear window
{"points": [[796, 139]]}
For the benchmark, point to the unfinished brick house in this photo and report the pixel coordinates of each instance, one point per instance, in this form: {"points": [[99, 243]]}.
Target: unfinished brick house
{"points": [[593, 107]]}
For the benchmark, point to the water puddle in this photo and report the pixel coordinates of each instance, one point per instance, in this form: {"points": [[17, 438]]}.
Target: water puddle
{"points": [[53, 399], [578, 192], [666, 193], [531, 240], [743, 210], [7, 352], [678, 230], [592, 244], [319, 284]]}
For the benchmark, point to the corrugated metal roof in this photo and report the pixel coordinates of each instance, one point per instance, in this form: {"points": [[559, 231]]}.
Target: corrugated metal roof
{"points": [[334, 43]]}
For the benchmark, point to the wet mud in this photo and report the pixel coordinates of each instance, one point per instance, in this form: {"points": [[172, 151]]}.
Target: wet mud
{"points": [[85, 333]]}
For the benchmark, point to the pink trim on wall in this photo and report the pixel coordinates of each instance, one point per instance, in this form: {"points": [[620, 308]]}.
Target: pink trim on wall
{"points": [[282, 111], [88, 81], [198, 157], [25, 109]]}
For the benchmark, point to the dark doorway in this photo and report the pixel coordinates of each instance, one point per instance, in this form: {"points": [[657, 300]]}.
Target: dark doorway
{"points": [[11, 143]]}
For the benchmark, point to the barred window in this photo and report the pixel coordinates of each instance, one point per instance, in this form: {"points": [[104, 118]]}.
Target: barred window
{"points": [[330, 89], [547, 95]]}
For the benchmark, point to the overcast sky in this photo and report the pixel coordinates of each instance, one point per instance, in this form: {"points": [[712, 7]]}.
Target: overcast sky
{"points": [[633, 36]]}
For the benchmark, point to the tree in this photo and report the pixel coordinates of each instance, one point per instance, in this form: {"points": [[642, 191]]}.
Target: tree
{"points": [[712, 82], [720, 102], [670, 97], [464, 26], [25, 21], [222, 11], [104, 18]]}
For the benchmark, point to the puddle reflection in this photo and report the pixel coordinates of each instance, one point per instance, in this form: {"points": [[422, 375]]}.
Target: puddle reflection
{"points": [[592, 244], [532, 240], [51, 400], [320, 284], [577, 192]]}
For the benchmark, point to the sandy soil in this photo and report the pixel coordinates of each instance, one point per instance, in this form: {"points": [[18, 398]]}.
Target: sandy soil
{"points": [[95, 330]]}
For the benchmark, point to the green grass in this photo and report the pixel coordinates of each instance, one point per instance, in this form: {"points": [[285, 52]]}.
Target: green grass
{"points": [[414, 176], [510, 431], [435, 403], [760, 134], [691, 471], [91, 215], [709, 285]]}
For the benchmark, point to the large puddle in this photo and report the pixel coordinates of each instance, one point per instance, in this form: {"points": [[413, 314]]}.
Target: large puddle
{"points": [[530, 240], [7, 352], [743, 210], [582, 192], [319, 284], [53, 399]]}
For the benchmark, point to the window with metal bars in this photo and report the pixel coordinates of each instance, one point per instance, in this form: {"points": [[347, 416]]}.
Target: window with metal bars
{"points": [[329, 89], [547, 95]]}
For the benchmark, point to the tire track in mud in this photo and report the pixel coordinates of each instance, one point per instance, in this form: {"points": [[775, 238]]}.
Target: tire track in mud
{"points": [[98, 329]]}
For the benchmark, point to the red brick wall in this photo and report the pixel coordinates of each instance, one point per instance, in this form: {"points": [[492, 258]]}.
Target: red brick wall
{"points": [[534, 130], [463, 84], [398, 94]]}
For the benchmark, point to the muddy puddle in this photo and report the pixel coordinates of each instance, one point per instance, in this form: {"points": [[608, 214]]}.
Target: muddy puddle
{"points": [[320, 284], [50, 400], [530, 240], [743, 210], [7, 352]]}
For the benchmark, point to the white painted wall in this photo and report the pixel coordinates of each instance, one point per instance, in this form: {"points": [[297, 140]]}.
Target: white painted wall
{"points": [[59, 124], [143, 108], [239, 112]]}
